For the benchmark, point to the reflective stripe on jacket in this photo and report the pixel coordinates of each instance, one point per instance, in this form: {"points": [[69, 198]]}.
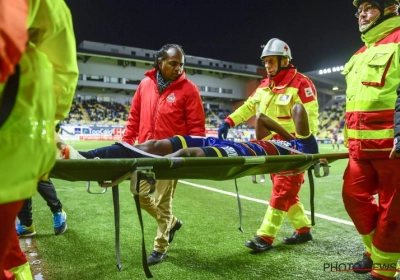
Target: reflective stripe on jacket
{"points": [[372, 77], [275, 98], [178, 110]]}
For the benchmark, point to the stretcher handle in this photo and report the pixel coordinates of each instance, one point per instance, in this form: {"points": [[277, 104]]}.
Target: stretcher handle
{"points": [[322, 164]]}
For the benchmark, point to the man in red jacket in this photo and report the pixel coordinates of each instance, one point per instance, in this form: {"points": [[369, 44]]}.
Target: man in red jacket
{"points": [[165, 104]]}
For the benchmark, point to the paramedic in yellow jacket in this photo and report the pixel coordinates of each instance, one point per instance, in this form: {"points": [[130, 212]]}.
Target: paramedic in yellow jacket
{"points": [[275, 97], [372, 77], [38, 75]]}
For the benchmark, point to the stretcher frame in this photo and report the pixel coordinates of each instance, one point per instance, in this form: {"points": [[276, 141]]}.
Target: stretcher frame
{"points": [[111, 172]]}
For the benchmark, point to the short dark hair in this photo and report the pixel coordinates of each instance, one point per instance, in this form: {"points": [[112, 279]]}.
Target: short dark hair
{"points": [[161, 54]]}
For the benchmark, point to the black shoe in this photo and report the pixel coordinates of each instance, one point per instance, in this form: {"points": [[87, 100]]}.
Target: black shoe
{"points": [[364, 265], [258, 245], [176, 227], [156, 257], [298, 238]]}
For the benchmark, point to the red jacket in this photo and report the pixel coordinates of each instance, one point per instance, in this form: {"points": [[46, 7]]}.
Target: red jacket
{"points": [[178, 110]]}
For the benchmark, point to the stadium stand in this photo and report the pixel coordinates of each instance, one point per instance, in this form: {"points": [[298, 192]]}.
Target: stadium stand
{"points": [[331, 116], [110, 74], [93, 112]]}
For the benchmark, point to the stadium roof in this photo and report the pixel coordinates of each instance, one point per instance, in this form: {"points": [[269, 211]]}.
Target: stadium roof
{"points": [[328, 82], [127, 54]]}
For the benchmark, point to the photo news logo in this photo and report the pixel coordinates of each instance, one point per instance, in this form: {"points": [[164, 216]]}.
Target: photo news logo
{"points": [[348, 267]]}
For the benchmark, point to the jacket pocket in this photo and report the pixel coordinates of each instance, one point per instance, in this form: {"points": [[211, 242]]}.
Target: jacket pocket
{"points": [[377, 68], [283, 106], [376, 120]]}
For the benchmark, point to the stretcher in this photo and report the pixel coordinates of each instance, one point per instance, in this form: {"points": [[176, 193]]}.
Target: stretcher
{"points": [[111, 172]]}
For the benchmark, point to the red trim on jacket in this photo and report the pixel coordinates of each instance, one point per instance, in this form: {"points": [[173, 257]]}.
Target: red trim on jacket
{"points": [[230, 121], [393, 37], [370, 121]]}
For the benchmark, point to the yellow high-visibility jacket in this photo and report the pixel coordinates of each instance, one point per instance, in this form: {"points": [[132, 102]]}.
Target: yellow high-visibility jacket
{"points": [[275, 98], [372, 76], [47, 80]]}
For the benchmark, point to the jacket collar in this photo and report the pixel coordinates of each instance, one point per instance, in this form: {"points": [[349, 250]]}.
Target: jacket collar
{"points": [[381, 30], [152, 75], [284, 77]]}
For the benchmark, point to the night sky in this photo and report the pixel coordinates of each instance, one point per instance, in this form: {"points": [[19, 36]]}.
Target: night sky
{"points": [[320, 33]]}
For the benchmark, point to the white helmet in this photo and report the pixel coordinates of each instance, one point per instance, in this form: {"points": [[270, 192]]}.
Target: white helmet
{"points": [[276, 47]]}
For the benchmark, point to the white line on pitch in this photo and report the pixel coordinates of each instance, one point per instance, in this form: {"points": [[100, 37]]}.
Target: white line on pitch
{"points": [[325, 217]]}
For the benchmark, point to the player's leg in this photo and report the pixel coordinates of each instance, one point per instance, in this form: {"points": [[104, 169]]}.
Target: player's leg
{"points": [[118, 150], [261, 128], [122, 150], [264, 126], [113, 151]]}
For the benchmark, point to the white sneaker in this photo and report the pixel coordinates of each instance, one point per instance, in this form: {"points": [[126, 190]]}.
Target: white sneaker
{"points": [[70, 153]]}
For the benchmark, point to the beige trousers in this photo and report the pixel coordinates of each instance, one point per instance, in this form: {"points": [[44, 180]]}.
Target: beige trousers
{"points": [[159, 207]]}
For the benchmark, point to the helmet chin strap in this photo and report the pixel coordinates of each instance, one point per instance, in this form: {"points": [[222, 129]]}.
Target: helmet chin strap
{"points": [[279, 66], [365, 27]]}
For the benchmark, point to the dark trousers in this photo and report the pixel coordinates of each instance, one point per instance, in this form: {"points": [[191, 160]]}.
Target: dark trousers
{"points": [[113, 151], [48, 192]]}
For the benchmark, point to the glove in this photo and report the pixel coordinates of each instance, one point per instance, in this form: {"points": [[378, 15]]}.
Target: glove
{"points": [[223, 130]]}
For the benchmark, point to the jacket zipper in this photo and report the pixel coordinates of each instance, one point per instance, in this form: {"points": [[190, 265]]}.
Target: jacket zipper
{"points": [[155, 114]]}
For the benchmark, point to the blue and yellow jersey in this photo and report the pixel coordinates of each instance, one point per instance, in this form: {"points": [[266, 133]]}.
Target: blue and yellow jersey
{"points": [[214, 147]]}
